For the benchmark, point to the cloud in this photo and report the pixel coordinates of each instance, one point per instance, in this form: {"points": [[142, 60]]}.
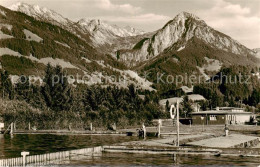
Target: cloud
{"points": [[108, 5], [234, 20], [229, 8], [148, 22], [143, 18]]}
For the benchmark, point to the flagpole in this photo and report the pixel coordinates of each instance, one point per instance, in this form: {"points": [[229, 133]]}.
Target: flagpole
{"points": [[178, 129]]}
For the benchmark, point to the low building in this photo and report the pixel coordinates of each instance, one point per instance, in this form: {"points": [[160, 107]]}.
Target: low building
{"points": [[196, 97], [171, 101], [191, 97], [223, 116], [195, 107], [142, 97]]}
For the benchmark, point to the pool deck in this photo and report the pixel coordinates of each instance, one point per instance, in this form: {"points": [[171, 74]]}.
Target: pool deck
{"points": [[166, 142], [233, 140], [204, 143]]}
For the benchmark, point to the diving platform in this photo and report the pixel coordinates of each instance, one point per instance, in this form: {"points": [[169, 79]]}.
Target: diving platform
{"points": [[231, 141]]}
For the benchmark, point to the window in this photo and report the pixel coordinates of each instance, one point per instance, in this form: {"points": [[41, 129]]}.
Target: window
{"points": [[212, 117]]}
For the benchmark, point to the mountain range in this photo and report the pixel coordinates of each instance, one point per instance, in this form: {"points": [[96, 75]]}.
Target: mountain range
{"points": [[100, 32], [31, 36]]}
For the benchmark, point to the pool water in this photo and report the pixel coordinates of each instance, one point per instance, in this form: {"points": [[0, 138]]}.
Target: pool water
{"points": [[46, 143], [126, 159]]}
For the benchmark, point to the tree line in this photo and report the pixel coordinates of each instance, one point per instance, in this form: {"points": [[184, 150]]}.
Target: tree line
{"points": [[61, 104]]}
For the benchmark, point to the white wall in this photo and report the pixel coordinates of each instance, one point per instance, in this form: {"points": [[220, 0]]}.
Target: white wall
{"points": [[241, 118]]}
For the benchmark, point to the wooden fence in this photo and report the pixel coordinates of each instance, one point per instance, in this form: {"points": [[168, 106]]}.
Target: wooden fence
{"points": [[50, 158]]}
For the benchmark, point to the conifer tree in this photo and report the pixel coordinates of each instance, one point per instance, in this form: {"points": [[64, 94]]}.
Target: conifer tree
{"points": [[6, 85], [56, 91], [22, 89]]}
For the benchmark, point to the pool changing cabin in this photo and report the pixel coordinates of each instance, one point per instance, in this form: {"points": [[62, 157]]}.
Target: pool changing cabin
{"points": [[222, 115]]}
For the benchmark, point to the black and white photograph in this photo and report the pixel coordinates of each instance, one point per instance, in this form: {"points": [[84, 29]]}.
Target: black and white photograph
{"points": [[130, 83]]}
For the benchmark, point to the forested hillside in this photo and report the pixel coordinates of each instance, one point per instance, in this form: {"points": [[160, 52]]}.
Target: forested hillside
{"points": [[58, 105], [39, 60], [28, 45]]}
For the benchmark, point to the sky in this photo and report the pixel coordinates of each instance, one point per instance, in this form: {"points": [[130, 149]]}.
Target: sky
{"points": [[239, 19]]}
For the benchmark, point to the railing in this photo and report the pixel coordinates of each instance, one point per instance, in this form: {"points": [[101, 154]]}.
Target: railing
{"points": [[12, 162], [49, 158]]}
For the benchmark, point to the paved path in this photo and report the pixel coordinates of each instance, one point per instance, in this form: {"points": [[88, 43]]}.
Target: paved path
{"points": [[224, 142], [162, 142]]}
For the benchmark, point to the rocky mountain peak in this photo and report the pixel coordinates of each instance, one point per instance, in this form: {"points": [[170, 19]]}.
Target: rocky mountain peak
{"points": [[134, 30], [186, 15], [100, 31], [100, 25], [180, 30], [89, 21], [103, 32], [41, 13]]}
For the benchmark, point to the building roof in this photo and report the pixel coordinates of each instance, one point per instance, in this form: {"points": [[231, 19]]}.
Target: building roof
{"points": [[192, 97], [196, 97], [186, 89], [228, 108], [215, 112], [171, 100], [142, 97]]}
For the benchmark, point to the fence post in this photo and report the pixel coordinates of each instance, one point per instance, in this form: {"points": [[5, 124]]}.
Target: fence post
{"points": [[144, 130], [12, 128], [91, 126], [24, 153], [159, 127]]}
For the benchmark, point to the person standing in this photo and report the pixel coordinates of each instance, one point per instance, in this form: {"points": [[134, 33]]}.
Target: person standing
{"points": [[226, 130]]}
